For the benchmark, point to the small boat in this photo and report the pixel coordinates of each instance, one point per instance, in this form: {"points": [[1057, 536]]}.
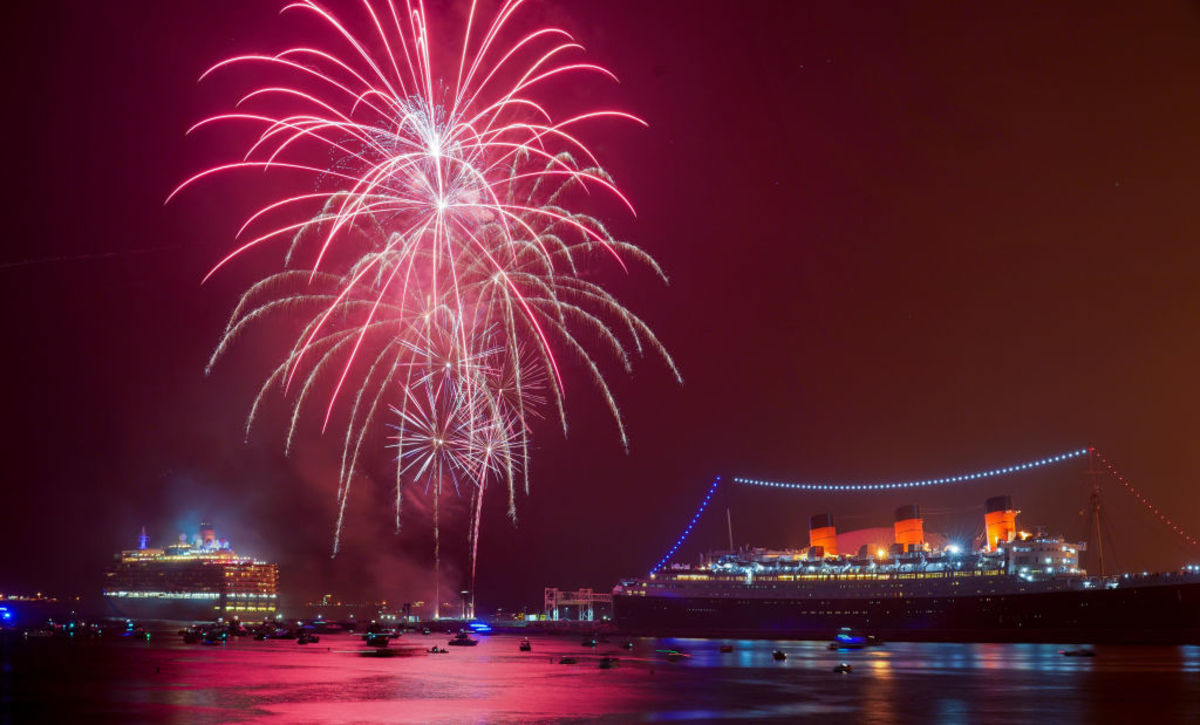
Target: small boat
{"points": [[673, 655], [847, 638], [779, 655], [526, 646], [725, 648], [589, 642], [307, 638], [376, 640], [425, 630], [462, 639], [844, 668], [628, 645], [435, 651], [1077, 653], [567, 661], [607, 663], [133, 630]]}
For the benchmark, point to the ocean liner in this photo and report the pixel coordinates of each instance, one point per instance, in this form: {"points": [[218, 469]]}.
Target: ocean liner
{"points": [[201, 579], [1015, 587]]}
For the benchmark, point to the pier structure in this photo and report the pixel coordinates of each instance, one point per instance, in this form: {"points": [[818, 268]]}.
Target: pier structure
{"points": [[586, 602]]}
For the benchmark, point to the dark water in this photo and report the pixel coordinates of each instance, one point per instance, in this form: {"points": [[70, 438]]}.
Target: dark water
{"points": [[281, 681]]}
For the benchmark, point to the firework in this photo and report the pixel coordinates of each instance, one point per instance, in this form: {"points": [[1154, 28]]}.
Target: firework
{"points": [[433, 261]]}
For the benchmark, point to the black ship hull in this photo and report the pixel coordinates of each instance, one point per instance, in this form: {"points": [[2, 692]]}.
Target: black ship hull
{"points": [[1168, 614], [164, 609]]}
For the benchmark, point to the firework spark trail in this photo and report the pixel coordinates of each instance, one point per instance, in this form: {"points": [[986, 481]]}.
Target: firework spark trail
{"points": [[436, 268], [83, 257]]}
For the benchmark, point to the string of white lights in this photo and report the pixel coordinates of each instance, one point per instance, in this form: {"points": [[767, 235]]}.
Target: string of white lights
{"points": [[991, 473]]}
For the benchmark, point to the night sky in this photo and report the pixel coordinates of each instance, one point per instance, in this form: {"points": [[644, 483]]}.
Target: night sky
{"points": [[902, 241]]}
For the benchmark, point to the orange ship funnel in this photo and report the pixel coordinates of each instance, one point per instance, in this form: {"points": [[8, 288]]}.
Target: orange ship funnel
{"points": [[910, 529], [822, 533], [1001, 520]]}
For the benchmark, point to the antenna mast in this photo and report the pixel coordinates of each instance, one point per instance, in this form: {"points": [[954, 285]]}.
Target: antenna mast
{"points": [[1094, 476]]}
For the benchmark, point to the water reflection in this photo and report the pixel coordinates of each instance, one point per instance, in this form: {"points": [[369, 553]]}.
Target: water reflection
{"points": [[496, 682]]}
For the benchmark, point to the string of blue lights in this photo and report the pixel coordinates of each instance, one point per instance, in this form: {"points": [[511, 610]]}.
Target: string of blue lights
{"points": [[686, 532], [1002, 471], [992, 473]]}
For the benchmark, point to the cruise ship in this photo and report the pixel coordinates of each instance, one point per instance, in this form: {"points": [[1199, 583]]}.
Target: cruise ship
{"points": [[192, 580], [1016, 586]]}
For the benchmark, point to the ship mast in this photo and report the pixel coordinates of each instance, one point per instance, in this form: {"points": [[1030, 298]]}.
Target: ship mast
{"points": [[729, 524], [1094, 476]]}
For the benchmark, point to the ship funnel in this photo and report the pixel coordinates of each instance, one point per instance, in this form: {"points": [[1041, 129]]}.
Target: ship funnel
{"points": [[208, 537], [822, 533], [1001, 520], [910, 529]]}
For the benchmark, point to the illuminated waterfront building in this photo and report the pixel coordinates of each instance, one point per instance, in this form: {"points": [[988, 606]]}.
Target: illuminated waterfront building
{"points": [[199, 580]]}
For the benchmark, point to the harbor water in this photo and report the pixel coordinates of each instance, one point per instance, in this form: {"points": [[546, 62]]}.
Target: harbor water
{"points": [[165, 680]]}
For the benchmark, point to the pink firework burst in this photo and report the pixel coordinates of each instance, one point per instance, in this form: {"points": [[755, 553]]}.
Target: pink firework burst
{"points": [[433, 260]]}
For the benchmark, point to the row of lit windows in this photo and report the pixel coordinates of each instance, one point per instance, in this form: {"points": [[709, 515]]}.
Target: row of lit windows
{"points": [[164, 595], [187, 595], [845, 577]]}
